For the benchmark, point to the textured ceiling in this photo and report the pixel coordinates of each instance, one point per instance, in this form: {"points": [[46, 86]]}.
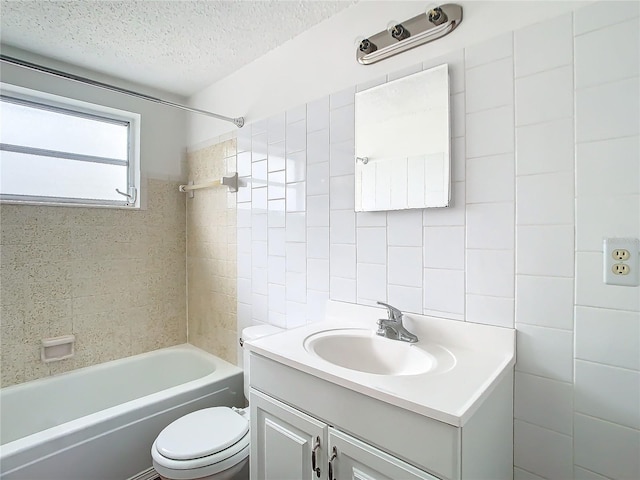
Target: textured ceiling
{"points": [[180, 46]]}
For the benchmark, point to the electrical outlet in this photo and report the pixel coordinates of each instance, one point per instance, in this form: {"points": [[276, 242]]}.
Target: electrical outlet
{"points": [[620, 258], [620, 254], [620, 269]]}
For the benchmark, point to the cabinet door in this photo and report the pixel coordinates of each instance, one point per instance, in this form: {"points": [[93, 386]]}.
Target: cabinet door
{"points": [[284, 441], [356, 460]]}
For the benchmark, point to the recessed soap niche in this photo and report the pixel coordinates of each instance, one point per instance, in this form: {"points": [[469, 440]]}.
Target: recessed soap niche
{"points": [[57, 348], [402, 143]]}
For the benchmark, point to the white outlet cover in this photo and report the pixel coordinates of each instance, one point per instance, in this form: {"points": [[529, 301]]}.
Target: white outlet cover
{"points": [[632, 245]]}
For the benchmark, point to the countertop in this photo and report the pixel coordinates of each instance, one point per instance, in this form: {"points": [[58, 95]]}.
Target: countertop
{"points": [[482, 354]]}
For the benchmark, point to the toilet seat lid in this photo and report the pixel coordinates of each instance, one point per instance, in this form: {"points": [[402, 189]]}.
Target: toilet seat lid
{"points": [[201, 433]]}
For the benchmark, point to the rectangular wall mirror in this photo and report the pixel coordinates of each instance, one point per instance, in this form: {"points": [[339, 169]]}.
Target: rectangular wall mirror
{"points": [[402, 143]]}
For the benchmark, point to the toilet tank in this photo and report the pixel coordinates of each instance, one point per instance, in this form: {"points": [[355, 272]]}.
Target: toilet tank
{"points": [[253, 333]]}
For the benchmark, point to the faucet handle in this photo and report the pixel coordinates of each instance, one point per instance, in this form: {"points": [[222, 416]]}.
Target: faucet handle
{"points": [[394, 313]]}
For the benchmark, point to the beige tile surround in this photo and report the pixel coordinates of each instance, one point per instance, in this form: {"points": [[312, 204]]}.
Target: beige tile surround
{"points": [[114, 278], [211, 253]]}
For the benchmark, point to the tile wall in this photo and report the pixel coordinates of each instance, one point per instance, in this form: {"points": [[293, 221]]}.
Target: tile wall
{"points": [[545, 125], [211, 253], [113, 278], [607, 200]]}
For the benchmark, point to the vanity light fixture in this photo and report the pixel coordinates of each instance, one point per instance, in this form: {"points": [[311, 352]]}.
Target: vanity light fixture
{"points": [[435, 23]]}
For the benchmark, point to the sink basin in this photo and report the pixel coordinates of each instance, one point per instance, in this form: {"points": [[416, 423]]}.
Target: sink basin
{"points": [[364, 351]]}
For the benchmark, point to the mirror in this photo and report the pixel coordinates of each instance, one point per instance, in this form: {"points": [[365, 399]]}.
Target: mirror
{"points": [[402, 143]]}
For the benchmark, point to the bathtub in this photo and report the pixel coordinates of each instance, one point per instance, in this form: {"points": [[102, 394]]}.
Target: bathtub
{"points": [[99, 422]]}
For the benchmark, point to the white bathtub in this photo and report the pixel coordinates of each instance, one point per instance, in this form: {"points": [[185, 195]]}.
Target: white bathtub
{"points": [[99, 422]]}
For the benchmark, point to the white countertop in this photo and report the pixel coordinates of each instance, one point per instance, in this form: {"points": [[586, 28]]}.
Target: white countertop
{"points": [[483, 354]]}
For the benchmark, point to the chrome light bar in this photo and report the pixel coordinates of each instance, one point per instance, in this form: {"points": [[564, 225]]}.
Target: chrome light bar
{"points": [[429, 26]]}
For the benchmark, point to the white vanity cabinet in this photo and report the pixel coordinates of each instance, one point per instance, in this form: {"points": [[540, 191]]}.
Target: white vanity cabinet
{"points": [[440, 408], [357, 460], [375, 440], [290, 445], [285, 441]]}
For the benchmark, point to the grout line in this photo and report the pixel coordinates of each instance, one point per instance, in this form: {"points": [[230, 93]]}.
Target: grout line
{"points": [[608, 139], [593, 362], [590, 471], [606, 421], [546, 378], [603, 27], [546, 70], [606, 309], [543, 427], [608, 82], [542, 326], [528, 471]]}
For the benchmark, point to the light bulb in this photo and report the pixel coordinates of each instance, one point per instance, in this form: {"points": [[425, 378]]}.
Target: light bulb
{"points": [[429, 7], [398, 31], [391, 26]]}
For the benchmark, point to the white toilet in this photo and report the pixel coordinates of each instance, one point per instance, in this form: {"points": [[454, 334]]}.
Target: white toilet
{"points": [[212, 443]]}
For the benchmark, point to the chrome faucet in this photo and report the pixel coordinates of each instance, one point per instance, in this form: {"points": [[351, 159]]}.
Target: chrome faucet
{"points": [[392, 327]]}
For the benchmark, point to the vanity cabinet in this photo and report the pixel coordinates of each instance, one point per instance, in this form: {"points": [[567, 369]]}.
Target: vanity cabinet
{"points": [[285, 439], [374, 439], [360, 461], [290, 445]]}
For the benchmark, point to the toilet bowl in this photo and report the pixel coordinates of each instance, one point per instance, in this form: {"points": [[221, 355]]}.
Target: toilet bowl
{"points": [[212, 443]]}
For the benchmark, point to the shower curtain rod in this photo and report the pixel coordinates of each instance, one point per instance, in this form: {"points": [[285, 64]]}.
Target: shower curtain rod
{"points": [[238, 122]]}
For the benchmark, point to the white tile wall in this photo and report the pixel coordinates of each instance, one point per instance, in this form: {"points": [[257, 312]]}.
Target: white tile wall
{"points": [[489, 85], [444, 247], [490, 132], [545, 250], [444, 292], [404, 228], [545, 199], [594, 62], [544, 96], [490, 272], [583, 474], [408, 299], [599, 165], [491, 179], [544, 402], [555, 311], [519, 474], [489, 51], [544, 46], [546, 352], [595, 220], [600, 14], [542, 451], [609, 393], [545, 147], [490, 226], [606, 448], [372, 245], [538, 180], [608, 110], [607, 320], [490, 310], [607, 336], [318, 178], [371, 283], [405, 266]]}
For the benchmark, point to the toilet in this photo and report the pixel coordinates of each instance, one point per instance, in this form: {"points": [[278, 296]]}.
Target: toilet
{"points": [[212, 443]]}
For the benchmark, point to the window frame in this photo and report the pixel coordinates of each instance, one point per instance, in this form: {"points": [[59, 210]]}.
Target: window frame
{"points": [[71, 106]]}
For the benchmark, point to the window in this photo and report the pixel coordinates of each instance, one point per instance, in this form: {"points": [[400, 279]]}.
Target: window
{"points": [[56, 150]]}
